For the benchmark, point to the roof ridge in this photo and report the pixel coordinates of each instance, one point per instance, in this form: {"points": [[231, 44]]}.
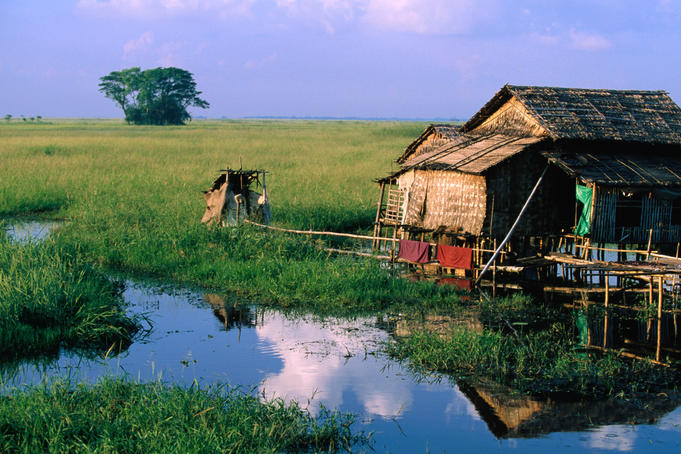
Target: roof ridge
{"points": [[604, 90]]}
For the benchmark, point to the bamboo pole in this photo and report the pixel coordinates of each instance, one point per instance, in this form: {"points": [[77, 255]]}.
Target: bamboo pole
{"points": [[344, 235], [314, 232], [607, 298], [359, 254], [494, 274], [491, 217], [594, 248], [659, 318], [629, 355], [377, 224], [508, 235]]}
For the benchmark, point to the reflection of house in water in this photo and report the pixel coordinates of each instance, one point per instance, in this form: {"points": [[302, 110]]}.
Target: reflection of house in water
{"points": [[440, 324], [511, 415], [231, 315], [626, 330]]}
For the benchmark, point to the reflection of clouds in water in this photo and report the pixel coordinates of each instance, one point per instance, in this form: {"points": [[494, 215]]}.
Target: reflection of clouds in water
{"points": [[460, 405], [671, 422], [613, 438], [324, 360]]}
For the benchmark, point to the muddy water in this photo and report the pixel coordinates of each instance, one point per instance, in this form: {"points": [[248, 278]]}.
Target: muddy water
{"points": [[338, 363]]}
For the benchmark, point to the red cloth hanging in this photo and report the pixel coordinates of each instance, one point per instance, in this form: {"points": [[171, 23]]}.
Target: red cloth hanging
{"points": [[455, 257], [414, 251], [462, 284]]}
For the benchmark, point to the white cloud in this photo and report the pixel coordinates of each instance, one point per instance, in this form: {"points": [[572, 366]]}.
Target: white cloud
{"points": [[138, 45], [589, 41], [413, 16], [144, 49], [428, 16], [575, 39], [149, 9]]}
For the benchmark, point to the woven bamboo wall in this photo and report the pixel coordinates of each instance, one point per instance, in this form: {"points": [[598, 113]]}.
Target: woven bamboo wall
{"points": [[444, 198], [656, 214], [552, 209]]}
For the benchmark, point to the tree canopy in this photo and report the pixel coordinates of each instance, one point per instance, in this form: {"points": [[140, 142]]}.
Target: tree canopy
{"points": [[158, 96]]}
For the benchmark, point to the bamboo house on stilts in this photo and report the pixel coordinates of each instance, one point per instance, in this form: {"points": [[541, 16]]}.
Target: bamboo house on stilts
{"points": [[584, 168]]}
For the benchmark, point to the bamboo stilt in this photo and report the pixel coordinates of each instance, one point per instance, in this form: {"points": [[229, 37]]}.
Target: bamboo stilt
{"points": [[659, 318], [607, 298]]}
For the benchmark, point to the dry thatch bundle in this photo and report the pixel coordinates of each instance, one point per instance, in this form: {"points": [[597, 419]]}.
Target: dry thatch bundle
{"points": [[231, 200]]}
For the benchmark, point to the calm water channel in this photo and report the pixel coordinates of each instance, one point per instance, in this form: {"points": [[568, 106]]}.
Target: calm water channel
{"points": [[338, 363]]}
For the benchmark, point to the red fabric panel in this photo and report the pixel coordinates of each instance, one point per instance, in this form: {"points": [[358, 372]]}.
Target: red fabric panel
{"points": [[414, 251], [455, 257], [462, 284]]}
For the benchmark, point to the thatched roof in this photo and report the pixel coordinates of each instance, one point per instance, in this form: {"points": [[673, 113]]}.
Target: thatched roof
{"points": [[471, 153], [591, 114], [619, 169], [442, 131]]}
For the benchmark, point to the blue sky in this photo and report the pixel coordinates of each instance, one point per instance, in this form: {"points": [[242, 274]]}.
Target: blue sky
{"points": [[361, 58]]}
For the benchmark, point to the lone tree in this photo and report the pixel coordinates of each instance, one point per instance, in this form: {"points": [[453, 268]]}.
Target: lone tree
{"points": [[157, 96]]}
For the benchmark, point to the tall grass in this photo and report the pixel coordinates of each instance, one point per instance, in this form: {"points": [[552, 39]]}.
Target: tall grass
{"points": [[121, 416], [133, 195], [51, 298], [321, 172]]}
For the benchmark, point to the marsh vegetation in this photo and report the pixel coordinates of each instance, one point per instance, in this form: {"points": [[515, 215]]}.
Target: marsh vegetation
{"points": [[132, 197]]}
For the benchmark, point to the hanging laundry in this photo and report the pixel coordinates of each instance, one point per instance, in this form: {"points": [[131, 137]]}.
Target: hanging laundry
{"points": [[414, 251], [455, 257]]}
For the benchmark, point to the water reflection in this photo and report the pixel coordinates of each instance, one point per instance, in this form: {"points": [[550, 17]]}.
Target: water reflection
{"points": [[330, 359], [24, 230], [509, 414], [631, 331], [338, 363]]}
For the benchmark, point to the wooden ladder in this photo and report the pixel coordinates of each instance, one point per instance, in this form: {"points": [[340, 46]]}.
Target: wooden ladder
{"points": [[393, 206]]}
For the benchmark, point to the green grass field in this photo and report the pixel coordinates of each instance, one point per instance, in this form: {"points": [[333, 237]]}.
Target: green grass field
{"points": [[320, 171], [122, 416], [133, 198]]}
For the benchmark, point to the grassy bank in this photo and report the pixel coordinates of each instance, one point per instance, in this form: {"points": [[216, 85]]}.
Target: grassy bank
{"points": [[280, 269], [51, 298], [120, 416], [543, 359], [133, 197]]}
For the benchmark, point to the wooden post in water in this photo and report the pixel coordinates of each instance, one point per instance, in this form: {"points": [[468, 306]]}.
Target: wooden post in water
{"points": [[659, 317], [607, 298], [494, 274], [650, 243], [377, 223]]}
